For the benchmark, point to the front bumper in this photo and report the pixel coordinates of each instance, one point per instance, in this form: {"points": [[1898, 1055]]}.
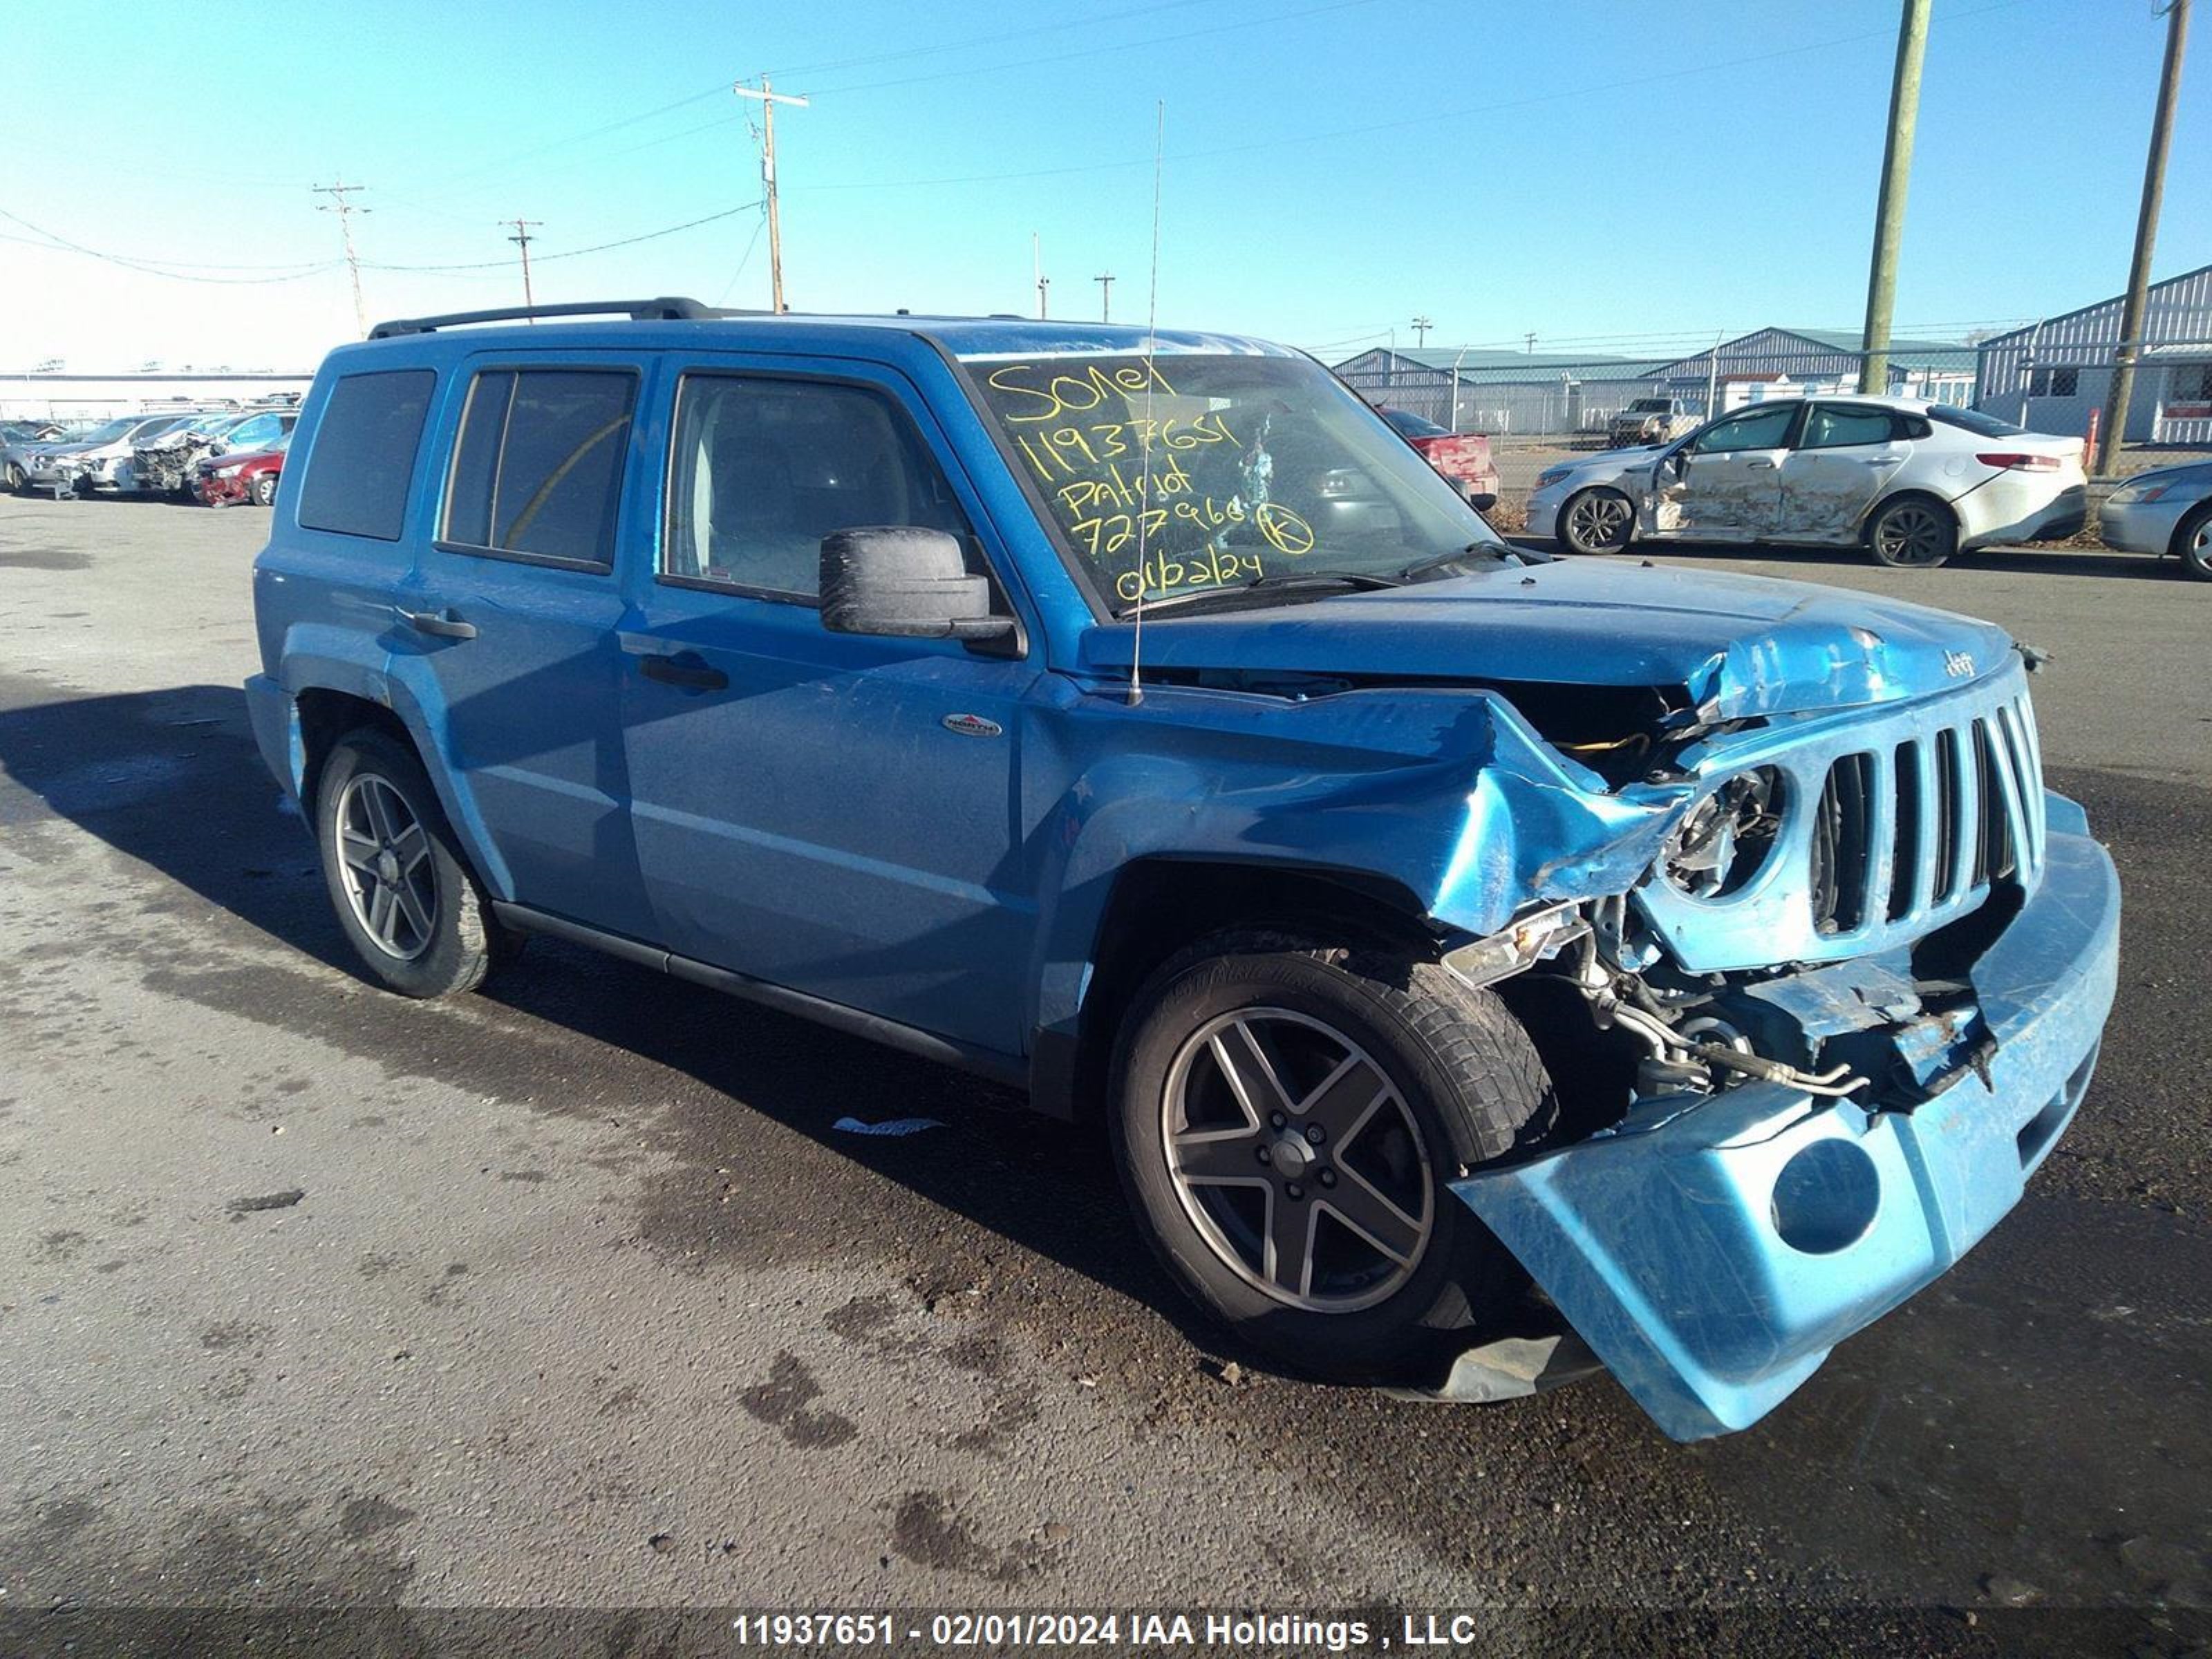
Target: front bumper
{"points": [[210, 488], [1713, 1250], [2143, 526], [1544, 513]]}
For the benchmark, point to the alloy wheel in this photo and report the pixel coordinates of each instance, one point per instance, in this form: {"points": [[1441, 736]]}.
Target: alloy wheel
{"points": [[1297, 1160], [390, 878], [1911, 536], [1598, 521]]}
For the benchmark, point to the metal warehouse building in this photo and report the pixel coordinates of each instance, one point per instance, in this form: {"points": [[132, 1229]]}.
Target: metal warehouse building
{"points": [[1515, 392], [2051, 374]]}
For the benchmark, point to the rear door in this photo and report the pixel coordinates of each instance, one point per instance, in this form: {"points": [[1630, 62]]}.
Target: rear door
{"points": [[1844, 457], [515, 608], [1725, 484], [829, 813]]}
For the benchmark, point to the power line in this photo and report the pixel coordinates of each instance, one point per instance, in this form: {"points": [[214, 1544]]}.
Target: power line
{"points": [[575, 252]]}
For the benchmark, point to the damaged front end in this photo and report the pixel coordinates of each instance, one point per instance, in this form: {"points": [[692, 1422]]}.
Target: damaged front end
{"points": [[1815, 1048], [168, 467]]}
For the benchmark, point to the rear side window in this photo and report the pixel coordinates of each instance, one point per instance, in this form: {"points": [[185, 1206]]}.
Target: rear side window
{"points": [[363, 459], [1840, 427], [537, 469]]}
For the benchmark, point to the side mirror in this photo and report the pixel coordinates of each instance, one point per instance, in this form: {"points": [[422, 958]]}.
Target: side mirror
{"points": [[1482, 503], [905, 583]]}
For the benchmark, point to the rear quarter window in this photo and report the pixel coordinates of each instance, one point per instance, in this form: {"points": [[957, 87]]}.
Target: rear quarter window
{"points": [[362, 462]]}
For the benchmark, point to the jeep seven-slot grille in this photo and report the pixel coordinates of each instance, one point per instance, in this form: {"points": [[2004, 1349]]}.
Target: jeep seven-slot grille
{"points": [[1926, 825]]}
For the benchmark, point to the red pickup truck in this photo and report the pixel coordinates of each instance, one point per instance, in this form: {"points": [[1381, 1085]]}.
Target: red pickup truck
{"points": [[1463, 457]]}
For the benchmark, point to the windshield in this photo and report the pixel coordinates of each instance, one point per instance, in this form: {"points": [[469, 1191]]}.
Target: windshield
{"points": [[1648, 406], [1181, 473], [107, 433]]}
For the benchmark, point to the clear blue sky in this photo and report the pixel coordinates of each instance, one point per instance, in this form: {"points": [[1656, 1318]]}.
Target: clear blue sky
{"points": [[1600, 171]]}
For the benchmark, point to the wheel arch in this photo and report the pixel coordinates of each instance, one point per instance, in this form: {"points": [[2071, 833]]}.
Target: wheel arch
{"points": [[1158, 906], [2176, 546], [1912, 492]]}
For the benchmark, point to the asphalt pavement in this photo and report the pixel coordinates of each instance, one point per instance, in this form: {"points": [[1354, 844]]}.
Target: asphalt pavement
{"points": [[571, 1294]]}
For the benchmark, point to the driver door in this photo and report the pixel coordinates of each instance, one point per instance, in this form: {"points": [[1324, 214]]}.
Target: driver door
{"points": [[1725, 483]]}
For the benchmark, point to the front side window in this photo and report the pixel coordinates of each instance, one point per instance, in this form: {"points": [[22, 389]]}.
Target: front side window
{"points": [[362, 463], [1187, 473], [537, 468], [764, 468], [1829, 426], [1766, 429]]}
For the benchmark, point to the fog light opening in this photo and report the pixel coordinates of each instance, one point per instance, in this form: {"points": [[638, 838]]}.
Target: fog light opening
{"points": [[1826, 1198]]}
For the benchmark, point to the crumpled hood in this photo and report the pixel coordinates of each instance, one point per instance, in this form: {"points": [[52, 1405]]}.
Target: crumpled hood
{"points": [[1739, 645]]}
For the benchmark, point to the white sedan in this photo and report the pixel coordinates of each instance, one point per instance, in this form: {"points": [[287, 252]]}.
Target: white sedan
{"points": [[1910, 481]]}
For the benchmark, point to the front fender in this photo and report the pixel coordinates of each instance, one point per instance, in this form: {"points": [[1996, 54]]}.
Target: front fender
{"points": [[1450, 796]]}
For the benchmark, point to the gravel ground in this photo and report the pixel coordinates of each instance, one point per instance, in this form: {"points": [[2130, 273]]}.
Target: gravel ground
{"points": [[570, 1296]]}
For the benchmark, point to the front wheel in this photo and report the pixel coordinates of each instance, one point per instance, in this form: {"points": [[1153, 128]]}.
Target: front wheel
{"points": [[404, 896], [264, 489], [1288, 1119], [1912, 533], [2193, 542], [1597, 521]]}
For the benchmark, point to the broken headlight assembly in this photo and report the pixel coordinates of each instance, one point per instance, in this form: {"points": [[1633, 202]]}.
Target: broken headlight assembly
{"points": [[1726, 839]]}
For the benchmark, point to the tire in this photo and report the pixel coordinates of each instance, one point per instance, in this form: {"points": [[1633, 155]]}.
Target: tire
{"points": [[1597, 520], [17, 478], [446, 941], [1454, 1082], [264, 489], [1911, 533], [2192, 543]]}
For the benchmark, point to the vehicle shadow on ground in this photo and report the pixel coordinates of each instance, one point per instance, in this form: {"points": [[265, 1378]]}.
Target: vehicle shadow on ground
{"points": [[172, 779], [2022, 560]]}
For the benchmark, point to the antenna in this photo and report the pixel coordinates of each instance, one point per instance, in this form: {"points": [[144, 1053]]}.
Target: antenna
{"points": [[1151, 351]]}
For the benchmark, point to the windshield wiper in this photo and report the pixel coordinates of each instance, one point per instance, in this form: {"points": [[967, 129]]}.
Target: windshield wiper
{"points": [[1498, 552], [1276, 583]]}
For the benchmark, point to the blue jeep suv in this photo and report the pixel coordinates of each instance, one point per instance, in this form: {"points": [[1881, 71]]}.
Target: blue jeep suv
{"points": [[1135, 717]]}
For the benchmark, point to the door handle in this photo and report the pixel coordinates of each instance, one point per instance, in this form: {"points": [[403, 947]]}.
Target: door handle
{"points": [[1758, 466], [444, 623], [685, 668]]}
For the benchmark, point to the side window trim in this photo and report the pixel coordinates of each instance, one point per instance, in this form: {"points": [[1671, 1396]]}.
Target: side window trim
{"points": [[476, 372]]}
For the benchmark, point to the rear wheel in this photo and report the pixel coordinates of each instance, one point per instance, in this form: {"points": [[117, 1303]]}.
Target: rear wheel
{"points": [[2193, 542], [406, 898], [1598, 520], [1913, 532], [1287, 1120]]}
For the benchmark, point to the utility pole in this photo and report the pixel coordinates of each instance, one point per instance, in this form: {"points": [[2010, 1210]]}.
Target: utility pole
{"points": [[770, 98], [521, 240], [1105, 281], [2112, 429], [1036, 271], [345, 211], [1889, 206], [1421, 327], [1531, 339]]}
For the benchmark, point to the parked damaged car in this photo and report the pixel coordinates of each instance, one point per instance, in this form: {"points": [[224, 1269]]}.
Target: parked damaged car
{"points": [[97, 461], [169, 464], [1418, 916], [1463, 457], [251, 475], [1910, 481]]}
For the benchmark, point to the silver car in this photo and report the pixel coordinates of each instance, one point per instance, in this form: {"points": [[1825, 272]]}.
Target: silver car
{"points": [[2168, 510], [1910, 481], [100, 460]]}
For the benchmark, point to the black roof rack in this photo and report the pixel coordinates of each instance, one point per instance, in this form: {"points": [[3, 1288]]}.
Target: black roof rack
{"points": [[668, 308]]}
